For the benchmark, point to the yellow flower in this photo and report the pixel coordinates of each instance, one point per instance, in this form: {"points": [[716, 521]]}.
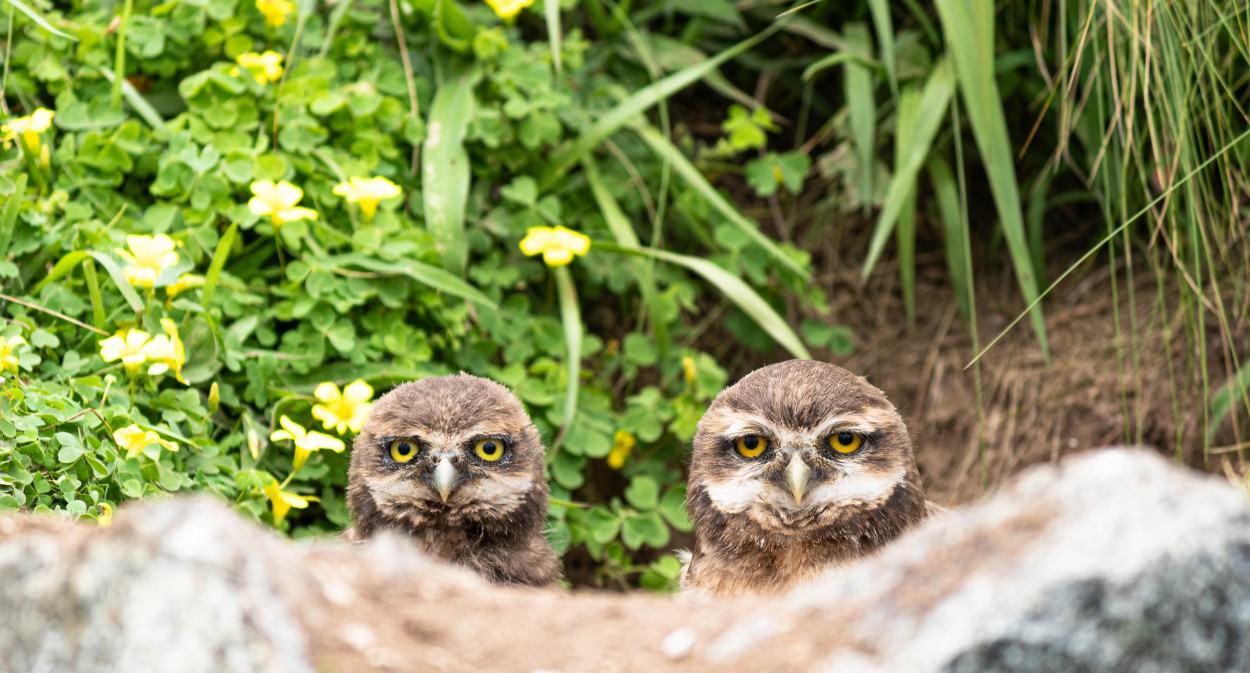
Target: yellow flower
{"points": [[305, 442], [277, 200], [622, 444], [264, 68], [127, 346], [135, 439], [557, 244], [29, 128], [166, 351], [691, 370], [105, 517], [366, 192], [147, 258], [8, 353], [283, 501], [275, 11], [507, 9], [340, 411], [185, 282]]}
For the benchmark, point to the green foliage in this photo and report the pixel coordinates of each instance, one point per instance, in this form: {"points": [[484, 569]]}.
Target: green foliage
{"points": [[212, 150]]}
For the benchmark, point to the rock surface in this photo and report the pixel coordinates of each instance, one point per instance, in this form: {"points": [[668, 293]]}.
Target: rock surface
{"points": [[1113, 561]]}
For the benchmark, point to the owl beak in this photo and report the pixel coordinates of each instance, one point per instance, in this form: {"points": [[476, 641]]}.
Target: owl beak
{"points": [[798, 474], [444, 478]]}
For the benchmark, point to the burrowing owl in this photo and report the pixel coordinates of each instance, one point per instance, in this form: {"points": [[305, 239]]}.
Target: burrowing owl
{"points": [[455, 462], [798, 467]]}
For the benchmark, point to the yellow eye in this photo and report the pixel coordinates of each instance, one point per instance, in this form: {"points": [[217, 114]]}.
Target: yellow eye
{"points": [[846, 442], [489, 449], [751, 446], [403, 450]]}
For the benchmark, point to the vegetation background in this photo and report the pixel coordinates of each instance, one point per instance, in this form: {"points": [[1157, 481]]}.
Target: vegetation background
{"points": [[195, 272]]}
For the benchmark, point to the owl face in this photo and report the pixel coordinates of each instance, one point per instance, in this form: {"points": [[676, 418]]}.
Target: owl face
{"points": [[797, 449], [448, 450]]}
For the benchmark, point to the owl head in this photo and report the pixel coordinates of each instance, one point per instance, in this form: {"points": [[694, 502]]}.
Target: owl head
{"points": [[805, 453], [448, 451]]}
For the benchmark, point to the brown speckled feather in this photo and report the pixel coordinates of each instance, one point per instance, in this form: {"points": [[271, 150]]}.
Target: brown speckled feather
{"points": [[492, 521], [753, 535]]}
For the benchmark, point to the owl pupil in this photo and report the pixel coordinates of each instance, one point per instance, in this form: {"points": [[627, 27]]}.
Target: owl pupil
{"points": [[404, 448], [488, 447], [751, 442], [846, 438]]}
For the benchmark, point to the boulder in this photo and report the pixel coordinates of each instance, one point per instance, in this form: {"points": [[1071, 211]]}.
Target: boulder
{"points": [[1112, 561]]}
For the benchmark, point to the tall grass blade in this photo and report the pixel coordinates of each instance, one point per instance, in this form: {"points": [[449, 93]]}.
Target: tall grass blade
{"points": [[571, 319], [93, 291], [735, 290], [554, 35], [905, 233], [72, 259], [220, 254], [919, 134], [954, 227], [669, 152], [566, 157], [8, 214], [119, 279], [425, 274], [140, 105], [445, 168], [863, 112], [884, 27], [1237, 389], [35, 16], [969, 35], [623, 231], [1111, 235]]}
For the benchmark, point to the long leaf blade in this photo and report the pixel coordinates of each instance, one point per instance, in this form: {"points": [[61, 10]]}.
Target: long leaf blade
{"points": [[735, 290], [915, 135], [445, 168], [425, 274], [35, 16], [568, 156], [119, 278], [669, 152], [220, 254], [571, 319], [969, 35]]}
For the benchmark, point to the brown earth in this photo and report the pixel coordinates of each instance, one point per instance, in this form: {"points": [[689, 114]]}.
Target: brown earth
{"points": [[1033, 412]]}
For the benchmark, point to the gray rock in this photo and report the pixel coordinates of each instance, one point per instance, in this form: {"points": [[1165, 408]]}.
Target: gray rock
{"points": [[184, 587], [1113, 561]]}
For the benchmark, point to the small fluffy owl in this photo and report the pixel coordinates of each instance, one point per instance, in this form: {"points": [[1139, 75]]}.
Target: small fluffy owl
{"points": [[798, 467], [455, 463]]}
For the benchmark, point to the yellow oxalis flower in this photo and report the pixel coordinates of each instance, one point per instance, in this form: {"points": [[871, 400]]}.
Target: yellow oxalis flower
{"points": [[127, 346], [282, 501], [340, 411], [367, 192], [275, 11], [622, 444], [557, 244], [277, 200], [166, 351], [508, 9], [185, 282], [147, 258], [690, 369], [105, 518], [265, 68], [135, 439], [305, 442], [8, 353], [28, 127]]}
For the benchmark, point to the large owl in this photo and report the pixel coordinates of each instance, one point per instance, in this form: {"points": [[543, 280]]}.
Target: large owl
{"points": [[798, 467], [454, 462]]}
